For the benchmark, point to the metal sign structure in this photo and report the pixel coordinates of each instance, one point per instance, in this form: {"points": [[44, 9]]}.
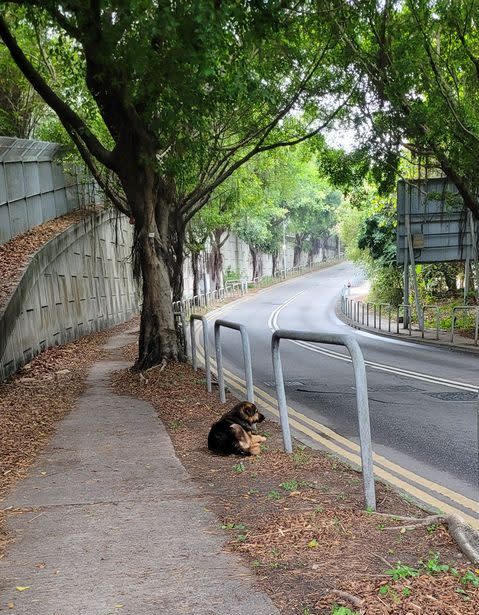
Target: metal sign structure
{"points": [[433, 223]]}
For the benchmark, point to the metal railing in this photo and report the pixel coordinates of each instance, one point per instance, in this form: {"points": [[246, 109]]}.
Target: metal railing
{"points": [[425, 308], [370, 314], [239, 288], [194, 362], [246, 358], [362, 403]]}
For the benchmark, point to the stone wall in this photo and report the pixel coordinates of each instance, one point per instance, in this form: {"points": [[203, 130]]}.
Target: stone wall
{"points": [[79, 282]]}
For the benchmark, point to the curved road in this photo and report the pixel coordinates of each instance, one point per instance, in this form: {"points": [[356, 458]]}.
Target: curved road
{"points": [[424, 418]]}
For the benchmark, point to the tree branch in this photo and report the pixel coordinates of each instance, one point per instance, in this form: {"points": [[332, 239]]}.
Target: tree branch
{"points": [[191, 200], [114, 197], [67, 116]]}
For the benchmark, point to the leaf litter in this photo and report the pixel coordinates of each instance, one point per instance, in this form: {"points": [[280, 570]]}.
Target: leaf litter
{"points": [[15, 253], [299, 520]]}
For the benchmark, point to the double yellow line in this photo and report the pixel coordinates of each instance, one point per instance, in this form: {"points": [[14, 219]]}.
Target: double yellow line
{"points": [[409, 482]]}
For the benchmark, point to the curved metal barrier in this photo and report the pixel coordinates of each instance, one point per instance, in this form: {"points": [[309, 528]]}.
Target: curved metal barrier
{"points": [[246, 358], [361, 397], [194, 363]]}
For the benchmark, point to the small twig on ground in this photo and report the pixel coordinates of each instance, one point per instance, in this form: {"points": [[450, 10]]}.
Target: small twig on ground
{"points": [[354, 600], [383, 559]]}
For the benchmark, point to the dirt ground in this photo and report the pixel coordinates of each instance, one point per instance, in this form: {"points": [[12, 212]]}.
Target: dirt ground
{"points": [[299, 520]]}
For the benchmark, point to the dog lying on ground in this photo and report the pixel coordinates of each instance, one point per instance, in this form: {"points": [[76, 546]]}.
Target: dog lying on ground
{"points": [[233, 433]]}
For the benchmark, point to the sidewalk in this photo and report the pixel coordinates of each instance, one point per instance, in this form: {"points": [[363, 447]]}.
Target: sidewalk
{"points": [[382, 327], [110, 522]]}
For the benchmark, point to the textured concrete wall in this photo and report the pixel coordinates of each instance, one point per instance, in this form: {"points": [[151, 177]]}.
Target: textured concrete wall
{"points": [[79, 282], [237, 259]]}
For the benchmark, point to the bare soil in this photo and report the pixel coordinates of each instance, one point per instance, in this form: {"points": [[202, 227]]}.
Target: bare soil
{"points": [[299, 520]]}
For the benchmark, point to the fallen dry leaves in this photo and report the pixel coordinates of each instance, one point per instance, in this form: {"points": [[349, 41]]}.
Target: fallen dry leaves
{"points": [[299, 519], [15, 254]]}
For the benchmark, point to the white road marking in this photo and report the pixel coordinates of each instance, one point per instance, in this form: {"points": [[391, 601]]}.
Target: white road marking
{"points": [[463, 386]]}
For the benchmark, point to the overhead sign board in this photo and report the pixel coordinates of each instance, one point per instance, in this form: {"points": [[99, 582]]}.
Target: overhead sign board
{"points": [[440, 224]]}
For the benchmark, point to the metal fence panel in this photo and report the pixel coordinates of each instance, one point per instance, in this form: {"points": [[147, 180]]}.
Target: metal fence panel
{"points": [[35, 188], [438, 221], [15, 183]]}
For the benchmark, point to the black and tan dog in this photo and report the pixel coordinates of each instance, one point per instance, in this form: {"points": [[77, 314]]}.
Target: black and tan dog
{"points": [[233, 433]]}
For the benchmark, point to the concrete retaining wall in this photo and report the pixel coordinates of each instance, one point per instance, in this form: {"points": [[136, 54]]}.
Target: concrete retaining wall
{"points": [[79, 282], [237, 259]]}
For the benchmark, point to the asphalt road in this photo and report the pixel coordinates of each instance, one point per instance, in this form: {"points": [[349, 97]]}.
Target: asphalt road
{"points": [[418, 421]]}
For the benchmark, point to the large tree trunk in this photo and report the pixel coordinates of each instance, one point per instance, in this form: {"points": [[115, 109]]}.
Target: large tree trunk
{"points": [[256, 262], [158, 340], [216, 259], [298, 248], [274, 259], [195, 267], [314, 250], [176, 257]]}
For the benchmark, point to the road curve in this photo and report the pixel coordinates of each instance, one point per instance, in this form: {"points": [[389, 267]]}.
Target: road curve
{"points": [[424, 419]]}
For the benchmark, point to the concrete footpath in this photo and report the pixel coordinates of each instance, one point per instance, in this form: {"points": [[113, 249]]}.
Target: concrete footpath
{"points": [[112, 523]]}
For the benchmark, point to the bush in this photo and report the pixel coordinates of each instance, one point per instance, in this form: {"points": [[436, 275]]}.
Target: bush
{"points": [[386, 286]]}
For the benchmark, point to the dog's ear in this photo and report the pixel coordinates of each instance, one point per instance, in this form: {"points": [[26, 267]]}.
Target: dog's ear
{"points": [[248, 408]]}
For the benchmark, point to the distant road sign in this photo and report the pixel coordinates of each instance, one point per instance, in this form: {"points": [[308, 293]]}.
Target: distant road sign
{"points": [[440, 223]]}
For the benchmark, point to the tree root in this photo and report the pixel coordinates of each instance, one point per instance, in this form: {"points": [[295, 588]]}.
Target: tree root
{"points": [[145, 379], [351, 598], [466, 538]]}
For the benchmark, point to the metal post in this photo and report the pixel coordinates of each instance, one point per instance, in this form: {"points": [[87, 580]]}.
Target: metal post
{"points": [[246, 358], [452, 325], [281, 394], [361, 397], [204, 324], [467, 269], [406, 288], [476, 326]]}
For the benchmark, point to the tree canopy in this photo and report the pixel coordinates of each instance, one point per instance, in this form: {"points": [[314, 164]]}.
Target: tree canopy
{"points": [[419, 67], [185, 93]]}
